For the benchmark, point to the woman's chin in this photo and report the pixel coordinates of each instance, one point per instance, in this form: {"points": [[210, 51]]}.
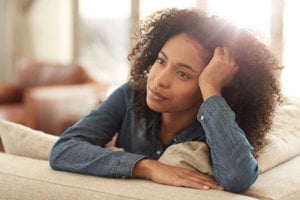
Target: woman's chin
{"points": [[155, 106]]}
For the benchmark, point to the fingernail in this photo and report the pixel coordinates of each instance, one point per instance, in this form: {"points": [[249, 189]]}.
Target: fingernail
{"points": [[205, 187]]}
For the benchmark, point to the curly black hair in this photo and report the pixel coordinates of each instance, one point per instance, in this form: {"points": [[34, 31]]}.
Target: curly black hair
{"points": [[255, 91]]}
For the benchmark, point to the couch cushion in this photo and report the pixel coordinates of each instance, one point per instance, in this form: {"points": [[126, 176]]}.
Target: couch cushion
{"points": [[13, 112], [21, 140], [36, 73], [27, 179], [283, 141], [281, 182]]}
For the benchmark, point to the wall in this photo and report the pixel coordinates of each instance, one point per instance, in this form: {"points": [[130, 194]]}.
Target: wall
{"points": [[37, 29], [51, 30], [9, 15]]}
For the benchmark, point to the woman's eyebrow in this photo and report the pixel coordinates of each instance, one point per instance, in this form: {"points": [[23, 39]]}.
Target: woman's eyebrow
{"points": [[164, 54], [180, 64], [187, 66]]}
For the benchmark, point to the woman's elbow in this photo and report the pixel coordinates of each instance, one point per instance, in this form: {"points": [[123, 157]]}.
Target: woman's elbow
{"points": [[239, 183], [53, 159]]}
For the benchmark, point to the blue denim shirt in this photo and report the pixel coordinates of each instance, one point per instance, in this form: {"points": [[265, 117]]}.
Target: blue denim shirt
{"points": [[81, 148]]}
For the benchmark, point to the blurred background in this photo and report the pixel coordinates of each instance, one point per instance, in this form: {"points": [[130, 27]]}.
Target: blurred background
{"points": [[96, 33]]}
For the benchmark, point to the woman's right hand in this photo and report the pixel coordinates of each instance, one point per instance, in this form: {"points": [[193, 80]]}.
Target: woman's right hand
{"points": [[219, 72], [170, 175]]}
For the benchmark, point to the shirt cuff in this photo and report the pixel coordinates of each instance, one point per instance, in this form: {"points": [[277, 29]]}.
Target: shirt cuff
{"points": [[211, 106], [124, 167]]}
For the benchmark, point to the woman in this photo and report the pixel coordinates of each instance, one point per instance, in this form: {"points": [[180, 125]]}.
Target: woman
{"points": [[193, 78]]}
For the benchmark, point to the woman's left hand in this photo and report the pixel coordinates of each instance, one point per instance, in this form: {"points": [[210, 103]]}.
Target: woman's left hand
{"points": [[170, 175]]}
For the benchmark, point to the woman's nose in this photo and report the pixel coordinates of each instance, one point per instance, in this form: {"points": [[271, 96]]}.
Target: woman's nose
{"points": [[162, 79]]}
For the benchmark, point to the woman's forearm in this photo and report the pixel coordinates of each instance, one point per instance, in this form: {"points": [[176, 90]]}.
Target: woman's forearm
{"points": [[235, 168]]}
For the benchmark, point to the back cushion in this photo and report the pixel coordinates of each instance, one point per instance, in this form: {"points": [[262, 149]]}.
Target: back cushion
{"points": [[35, 73]]}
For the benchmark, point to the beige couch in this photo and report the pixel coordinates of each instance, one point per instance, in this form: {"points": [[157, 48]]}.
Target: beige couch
{"points": [[25, 172]]}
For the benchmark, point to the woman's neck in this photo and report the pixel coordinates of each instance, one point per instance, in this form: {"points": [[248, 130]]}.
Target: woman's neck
{"points": [[174, 124]]}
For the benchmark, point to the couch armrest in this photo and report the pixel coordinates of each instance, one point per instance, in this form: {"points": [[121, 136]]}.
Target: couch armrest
{"points": [[10, 93], [53, 108], [28, 178]]}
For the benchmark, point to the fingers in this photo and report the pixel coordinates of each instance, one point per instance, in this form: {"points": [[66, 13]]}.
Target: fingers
{"points": [[223, 51], [225, 54], [181, 177], [225, 57], [198, 180], [202, 185], [221, 68], [206, 182]]}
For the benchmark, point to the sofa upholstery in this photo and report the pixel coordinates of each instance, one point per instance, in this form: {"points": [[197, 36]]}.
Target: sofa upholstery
{"points": [[41, 182], [25, 172], [44, 91]]}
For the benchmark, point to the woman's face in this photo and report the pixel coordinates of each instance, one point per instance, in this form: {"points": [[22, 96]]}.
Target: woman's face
{"points": [[172, 84]]}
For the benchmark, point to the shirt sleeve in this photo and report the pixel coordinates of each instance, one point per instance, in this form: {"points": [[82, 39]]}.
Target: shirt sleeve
{"points": [[81, 148], [234, 165]]}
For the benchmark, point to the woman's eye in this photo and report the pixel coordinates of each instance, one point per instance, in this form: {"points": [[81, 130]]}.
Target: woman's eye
{"points": [[160, 61], [182, 74]]}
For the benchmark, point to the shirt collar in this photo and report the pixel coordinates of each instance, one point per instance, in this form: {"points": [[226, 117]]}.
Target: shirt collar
{"points": [[194, 132]]}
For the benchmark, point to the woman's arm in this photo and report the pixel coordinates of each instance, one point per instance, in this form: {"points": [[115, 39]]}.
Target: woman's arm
{"points": [[235, 168], [81, 148]]}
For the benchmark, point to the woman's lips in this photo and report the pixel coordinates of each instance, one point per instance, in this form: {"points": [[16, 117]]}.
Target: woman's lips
{"points": [[156, 96]]}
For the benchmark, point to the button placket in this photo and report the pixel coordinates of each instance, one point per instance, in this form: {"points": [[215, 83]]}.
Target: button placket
{"points": [[175, 140]]}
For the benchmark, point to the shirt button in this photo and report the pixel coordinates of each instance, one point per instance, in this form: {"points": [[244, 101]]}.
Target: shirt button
{"points": [[202, 118], [175, 139], [158, 152]]}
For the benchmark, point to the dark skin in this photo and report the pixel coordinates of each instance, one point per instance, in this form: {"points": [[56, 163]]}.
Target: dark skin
{"points": [[181, 64]]}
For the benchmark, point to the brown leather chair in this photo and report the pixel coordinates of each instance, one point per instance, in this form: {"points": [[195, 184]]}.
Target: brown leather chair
{"points": [[49, 96]]}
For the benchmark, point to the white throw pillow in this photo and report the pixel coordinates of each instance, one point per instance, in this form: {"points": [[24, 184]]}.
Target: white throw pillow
{"points": [[23, 141], [191, 155]]}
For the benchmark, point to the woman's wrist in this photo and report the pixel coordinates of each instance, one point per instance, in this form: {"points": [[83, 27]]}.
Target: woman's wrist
{"points": [[142, 169], [208, 90]]}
